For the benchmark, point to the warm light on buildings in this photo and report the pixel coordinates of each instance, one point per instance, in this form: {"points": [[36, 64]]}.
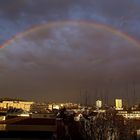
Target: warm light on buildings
{"points": [[98, 103], [52, 106], [130, 114], [16, 104], [118, 104], [56, 107]]}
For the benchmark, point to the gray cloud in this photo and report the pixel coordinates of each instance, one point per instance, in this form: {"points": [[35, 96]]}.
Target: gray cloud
{"points": [[57, 61], [20, 15]]}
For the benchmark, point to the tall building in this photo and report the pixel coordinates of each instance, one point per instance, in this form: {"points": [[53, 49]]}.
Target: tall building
{"points": [[118, 104], [98, 103]]}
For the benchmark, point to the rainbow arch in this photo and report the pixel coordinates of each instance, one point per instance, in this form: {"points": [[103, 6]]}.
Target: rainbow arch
{"points": [[80, 22]]}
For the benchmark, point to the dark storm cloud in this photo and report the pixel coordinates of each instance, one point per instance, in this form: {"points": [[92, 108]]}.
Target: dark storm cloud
{"points": [[16, 16], [58, 61], [12, 9], [110, 8], [28, 8], [26, 61]]}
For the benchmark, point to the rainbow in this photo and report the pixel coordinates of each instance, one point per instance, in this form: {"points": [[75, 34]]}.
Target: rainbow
{"points": [[86, 23]]}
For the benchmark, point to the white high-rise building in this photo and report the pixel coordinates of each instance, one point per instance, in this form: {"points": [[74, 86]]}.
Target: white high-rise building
{"points": [[98, 103], [118, 104]]}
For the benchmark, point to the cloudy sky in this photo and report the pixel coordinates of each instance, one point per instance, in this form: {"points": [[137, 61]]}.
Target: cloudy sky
{"points": [[59, 59]]}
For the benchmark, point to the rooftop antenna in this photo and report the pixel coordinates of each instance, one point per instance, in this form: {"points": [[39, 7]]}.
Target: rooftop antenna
{"points": [[134, 93], [110, 91], [127, 95], [81, 101], [86, 97], [106, 96]]}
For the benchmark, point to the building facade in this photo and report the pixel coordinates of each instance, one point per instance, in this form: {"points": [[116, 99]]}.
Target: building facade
{"points": [[98, 103], [118, 104], [16, 104]]}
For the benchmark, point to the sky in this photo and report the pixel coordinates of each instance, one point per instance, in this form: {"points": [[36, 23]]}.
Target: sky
{"points": [[59, 60]]}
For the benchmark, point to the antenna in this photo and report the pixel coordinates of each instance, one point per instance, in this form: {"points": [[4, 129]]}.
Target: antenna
{"points": [[127, 95], [134, 93], [80, 96], [86, 97]]}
